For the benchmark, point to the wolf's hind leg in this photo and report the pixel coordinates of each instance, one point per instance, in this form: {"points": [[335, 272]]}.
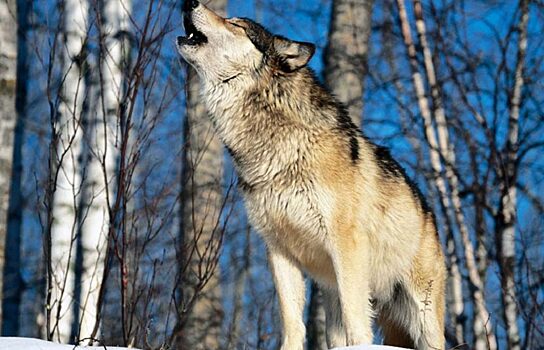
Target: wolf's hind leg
{"points": [[336, 333], [394, 335], [426, 288], [290, 287], [431, 318], [413, 318]]}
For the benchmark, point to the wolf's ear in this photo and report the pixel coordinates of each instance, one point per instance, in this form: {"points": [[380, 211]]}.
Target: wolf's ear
{"points": [[293, 54]]}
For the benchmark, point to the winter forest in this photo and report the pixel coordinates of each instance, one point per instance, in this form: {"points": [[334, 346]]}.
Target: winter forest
{"points": [[120, 218]]}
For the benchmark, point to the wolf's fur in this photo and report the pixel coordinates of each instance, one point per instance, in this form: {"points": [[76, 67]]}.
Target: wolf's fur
{"points": [[325, 199]]}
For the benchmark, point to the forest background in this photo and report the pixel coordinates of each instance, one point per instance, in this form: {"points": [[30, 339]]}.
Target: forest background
{"points": [[120, 220]]}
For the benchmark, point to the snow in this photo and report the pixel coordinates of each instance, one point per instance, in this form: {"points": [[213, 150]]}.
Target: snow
{"points": [[370, 347], [8, 343]]}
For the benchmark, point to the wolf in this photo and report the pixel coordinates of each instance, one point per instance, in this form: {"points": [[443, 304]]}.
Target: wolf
{"points": [[327, 202]]}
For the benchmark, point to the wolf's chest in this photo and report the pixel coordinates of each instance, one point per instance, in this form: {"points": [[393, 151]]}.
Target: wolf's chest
{"points": [[297, 221], [299, 206], [282, 193]]}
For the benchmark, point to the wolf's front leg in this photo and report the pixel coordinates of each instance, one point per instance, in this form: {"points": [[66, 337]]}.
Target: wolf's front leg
{"points": [[290, 287], [349, 253]]}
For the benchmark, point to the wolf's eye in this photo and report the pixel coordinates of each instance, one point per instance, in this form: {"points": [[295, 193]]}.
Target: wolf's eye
{"points": [[237, 25]]}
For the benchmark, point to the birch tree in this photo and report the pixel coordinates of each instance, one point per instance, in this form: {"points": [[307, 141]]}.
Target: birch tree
{"points": [[463, 116], [103, 152], [8, 74], [506, 221], [113, 25], [441, 148], [68, 184]]}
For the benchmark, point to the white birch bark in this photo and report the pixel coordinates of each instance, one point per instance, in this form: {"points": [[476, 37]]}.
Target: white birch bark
{"points": [[448, 153], [441, 146], [456, 304], [8, 77], [454, 294], [104, 153], [68, 186], [507, 217], [484, 338]]}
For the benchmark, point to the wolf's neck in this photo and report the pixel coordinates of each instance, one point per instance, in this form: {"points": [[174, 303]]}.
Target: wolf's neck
{"points": [[222, 100], [247, 109], [296, 97]]}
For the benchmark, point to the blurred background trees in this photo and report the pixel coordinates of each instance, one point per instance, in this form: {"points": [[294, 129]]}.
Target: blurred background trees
{"points": [[120, 221], [8, 78]]}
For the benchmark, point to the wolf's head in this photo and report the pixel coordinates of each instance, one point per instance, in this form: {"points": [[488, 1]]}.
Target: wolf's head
{"points": [[223, 49]]}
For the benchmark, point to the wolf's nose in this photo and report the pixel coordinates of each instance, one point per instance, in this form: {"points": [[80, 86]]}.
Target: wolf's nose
{"points": [[180, 40], [189, 5]]}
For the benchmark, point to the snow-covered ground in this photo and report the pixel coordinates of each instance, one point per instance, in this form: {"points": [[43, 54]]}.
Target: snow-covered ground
{"points": [[8, 343], [370, 347]]}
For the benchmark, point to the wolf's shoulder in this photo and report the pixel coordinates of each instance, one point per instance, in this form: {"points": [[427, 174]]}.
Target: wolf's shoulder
{"points": [[391, 170]]}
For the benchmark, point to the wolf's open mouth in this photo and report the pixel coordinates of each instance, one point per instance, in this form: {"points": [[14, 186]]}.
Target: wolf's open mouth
{"points": [[193, 35]]}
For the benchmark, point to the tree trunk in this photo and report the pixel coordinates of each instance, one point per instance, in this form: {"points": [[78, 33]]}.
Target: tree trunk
{"points": [[346, 53], [454, 295], [441, 148], [103, 153], [506, 223], [68, 152], [8, 75], [201, 212], [201, 209], [12, 272], [344, 72]]}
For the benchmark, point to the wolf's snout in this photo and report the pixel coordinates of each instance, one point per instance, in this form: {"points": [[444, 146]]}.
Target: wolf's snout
{"points": [[189, 5]]}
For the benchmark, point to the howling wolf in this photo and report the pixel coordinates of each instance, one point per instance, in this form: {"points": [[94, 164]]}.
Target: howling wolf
{"points": [[326, 200]]}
